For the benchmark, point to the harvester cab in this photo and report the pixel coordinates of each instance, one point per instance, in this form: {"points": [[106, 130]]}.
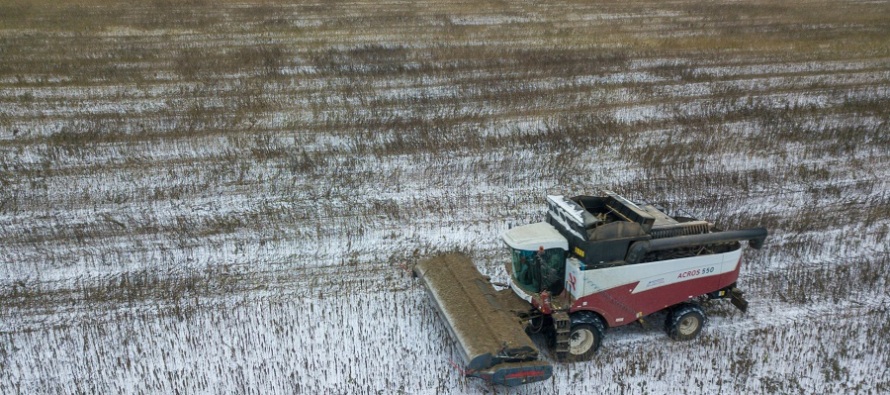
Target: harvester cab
{"points": [[596, 262], [538, 259]]}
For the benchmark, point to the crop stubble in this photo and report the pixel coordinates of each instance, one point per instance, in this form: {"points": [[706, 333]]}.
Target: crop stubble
{"points": [[195, 194]]}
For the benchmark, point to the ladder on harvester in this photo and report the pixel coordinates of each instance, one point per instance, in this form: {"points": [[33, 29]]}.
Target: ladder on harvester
{"points": [[562, 324]]}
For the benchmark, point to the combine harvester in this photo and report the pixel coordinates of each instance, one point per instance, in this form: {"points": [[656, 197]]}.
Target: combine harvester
{"points": [[596, 263]]}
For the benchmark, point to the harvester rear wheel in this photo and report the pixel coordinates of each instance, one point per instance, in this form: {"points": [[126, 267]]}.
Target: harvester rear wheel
{"points": [[685, 322], [584, 340]]}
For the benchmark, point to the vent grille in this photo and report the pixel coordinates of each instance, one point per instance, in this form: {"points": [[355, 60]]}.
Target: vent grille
{"points": [[691, 228]]}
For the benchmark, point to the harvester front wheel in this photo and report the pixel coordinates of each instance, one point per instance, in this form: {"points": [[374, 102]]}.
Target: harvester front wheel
{"points": [[685, 322], [584, 340]]}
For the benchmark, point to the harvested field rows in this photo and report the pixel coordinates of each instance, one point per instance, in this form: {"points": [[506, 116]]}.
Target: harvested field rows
{"points": [[212, 197]]}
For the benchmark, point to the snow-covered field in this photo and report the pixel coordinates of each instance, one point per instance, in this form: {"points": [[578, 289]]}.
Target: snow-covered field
{"points": [[224, 197]]}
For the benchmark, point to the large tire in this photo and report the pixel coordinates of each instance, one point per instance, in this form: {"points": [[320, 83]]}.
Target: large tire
{"points": [[584, 340], [685, 322]]}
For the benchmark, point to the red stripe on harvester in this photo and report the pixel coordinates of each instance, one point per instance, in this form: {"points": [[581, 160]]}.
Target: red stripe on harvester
{"points": [[465, 372], [527, 373]]}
